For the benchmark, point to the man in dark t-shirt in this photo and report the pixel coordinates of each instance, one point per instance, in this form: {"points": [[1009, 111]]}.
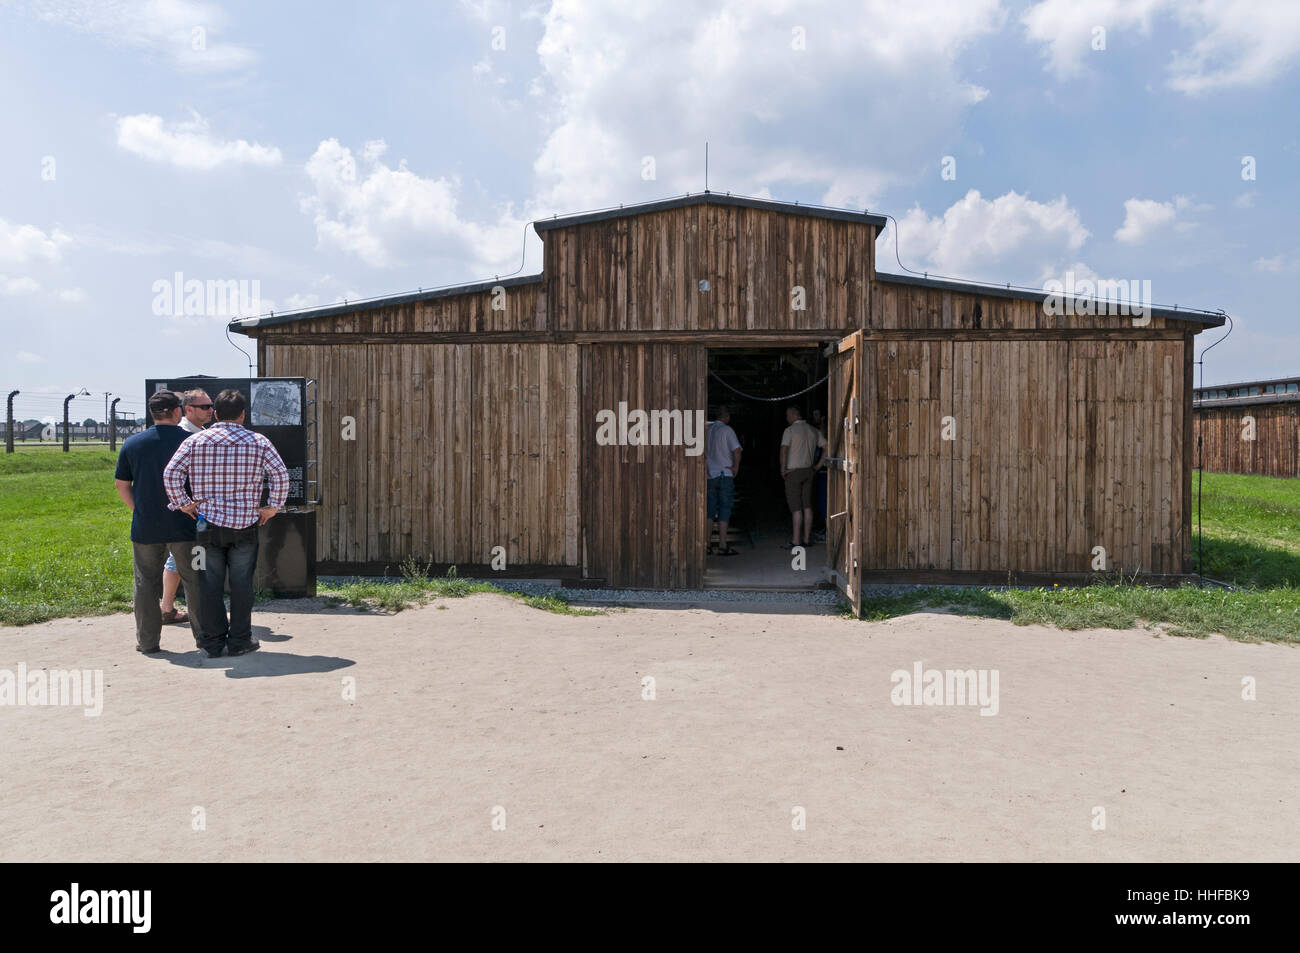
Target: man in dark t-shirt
{"points": [[156, 530]]}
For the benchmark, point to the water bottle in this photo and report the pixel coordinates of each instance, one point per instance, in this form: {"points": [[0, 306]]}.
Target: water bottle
{"points": [[202, 525]]}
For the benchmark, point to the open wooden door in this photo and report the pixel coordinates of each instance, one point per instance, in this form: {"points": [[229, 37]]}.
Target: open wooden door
{"points": [[845, 495]]}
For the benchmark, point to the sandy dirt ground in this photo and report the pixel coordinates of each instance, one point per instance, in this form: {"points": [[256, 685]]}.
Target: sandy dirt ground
{"points": [[476, 709]]}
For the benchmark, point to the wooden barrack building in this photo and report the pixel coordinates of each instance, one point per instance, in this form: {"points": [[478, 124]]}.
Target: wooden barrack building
{"points": [[975, 434], [1251, 427]]}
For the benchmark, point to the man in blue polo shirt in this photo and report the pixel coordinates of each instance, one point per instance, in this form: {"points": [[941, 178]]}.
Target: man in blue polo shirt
{"points": [[156, 530]]}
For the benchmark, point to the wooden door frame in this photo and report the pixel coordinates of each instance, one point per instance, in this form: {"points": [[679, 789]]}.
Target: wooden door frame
{"points": [[846, 456]]}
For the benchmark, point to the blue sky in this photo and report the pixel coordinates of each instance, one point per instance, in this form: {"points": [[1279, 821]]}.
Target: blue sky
{"points": [[326, 151]]}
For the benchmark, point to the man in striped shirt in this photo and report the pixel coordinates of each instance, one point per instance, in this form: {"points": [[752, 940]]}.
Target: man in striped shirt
{"points": [[226, 466]]}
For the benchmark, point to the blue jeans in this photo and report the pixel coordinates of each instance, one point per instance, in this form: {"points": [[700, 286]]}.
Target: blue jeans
{"points": [[722, 495], [235, 551]]}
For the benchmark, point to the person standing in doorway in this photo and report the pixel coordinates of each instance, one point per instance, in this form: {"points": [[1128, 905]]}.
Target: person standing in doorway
{"points": [[799, 446], [157, 533], [197, 406], [722, 451], [226, 466]]}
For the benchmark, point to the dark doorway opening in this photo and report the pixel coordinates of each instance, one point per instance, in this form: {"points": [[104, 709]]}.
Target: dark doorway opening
{"points": [[746, 381]]}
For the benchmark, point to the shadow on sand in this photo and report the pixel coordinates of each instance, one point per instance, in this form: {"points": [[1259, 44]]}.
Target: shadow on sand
{"points": [[260, 664]]}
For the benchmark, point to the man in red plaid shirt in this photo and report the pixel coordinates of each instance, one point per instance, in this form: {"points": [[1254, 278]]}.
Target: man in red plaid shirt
{"points": [[226, 466]]}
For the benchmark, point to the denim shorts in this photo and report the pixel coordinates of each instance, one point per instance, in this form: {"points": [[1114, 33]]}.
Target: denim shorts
{"points": [[722, 494], [171, 563]]}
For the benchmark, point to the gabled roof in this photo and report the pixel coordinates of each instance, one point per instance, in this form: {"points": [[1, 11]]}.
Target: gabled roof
{"points": [[541, 226], [708, 198], [1211, 319]]}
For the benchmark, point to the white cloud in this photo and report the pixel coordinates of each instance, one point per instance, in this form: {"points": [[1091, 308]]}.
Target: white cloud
{"points": [[27, 357], [875, 89], [1242, 43], [1277, 264], [1238, 43], [72, 295], [1075, 271], [978, 238], [1145, 217], [184, 31], [485, 11], [13, 287], [297, 301], [188, 144], [1142, 217], [1067, 27], [392, 216], [24, 244], [1244, 200]]}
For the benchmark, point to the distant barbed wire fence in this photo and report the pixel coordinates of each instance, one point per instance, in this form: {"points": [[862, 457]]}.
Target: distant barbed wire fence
{"points": [[45, 419]]}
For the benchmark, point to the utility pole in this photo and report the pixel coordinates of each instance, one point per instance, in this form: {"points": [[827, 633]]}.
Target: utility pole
{"points": [[112, 430], [106, 396], [9, 423]]}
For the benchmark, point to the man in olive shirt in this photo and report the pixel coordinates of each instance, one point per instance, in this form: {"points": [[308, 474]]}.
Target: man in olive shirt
{"points": [[799, 445], [156, 531]]}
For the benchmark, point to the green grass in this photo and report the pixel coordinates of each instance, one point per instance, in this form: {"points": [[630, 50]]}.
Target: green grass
{"points": [[1248, 615], [416, 587], [1252, 540], [557, 604], [64, 546], [1252, 529]]}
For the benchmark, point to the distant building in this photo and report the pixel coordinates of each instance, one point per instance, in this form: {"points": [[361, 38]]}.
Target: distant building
{"points": [[1250, 427]]}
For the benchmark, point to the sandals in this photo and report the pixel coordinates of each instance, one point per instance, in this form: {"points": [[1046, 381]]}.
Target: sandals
{"points": [[729, 551], [175, 617]]}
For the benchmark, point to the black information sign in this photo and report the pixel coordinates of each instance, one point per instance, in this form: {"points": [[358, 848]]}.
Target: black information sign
{"points": [[277, 409]]}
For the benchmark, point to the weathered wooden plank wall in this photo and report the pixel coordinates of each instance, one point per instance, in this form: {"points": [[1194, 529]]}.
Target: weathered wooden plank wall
{"points": [[642, 273], [1057, 447], [458, 448], [1274, 452], [523, 309], [643, 506], [896, 306]]}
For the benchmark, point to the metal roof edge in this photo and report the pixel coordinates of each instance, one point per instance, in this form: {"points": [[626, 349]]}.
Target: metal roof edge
{"points": [[708, 198], [1221, 402], [1259, 383], [1208, 318]]}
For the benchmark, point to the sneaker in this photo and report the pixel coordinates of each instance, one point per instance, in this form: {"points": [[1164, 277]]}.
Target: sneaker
{"points": [[251, 647]]}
